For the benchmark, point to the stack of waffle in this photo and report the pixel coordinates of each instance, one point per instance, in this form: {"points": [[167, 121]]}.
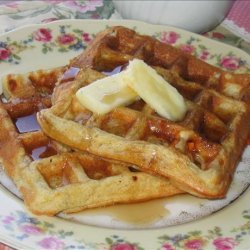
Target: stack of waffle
{"points": [[78, 159]]}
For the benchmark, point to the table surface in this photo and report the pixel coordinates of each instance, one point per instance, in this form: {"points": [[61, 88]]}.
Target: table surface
{"points": [[234, 30]]}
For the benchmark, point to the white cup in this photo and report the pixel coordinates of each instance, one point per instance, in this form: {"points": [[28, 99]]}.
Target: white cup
{"points": [[196, 16]]}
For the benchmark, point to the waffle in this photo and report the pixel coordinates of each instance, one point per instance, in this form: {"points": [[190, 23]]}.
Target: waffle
{"points": [[198, 154], [50, 176], [130, 154]]}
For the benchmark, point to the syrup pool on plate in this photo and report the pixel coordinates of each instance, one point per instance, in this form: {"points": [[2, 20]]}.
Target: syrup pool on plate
{"points": [[149, 214], [136, 214]]}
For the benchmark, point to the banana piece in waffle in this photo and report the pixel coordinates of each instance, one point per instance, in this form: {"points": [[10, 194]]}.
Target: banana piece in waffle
{"points": [[198, 154], [58, 178]]}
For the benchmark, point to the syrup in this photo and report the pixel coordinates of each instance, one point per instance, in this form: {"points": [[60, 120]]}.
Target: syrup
{"points": [[27, 123], [70, 74], [114, 71], [42, 152], [42, 149], [150, 214], [36, 152], [136, 214], [248, 140]]}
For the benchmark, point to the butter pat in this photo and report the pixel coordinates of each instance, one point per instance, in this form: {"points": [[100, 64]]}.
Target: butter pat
{"points": [[138, 80], [156, 91], [106, 94]]}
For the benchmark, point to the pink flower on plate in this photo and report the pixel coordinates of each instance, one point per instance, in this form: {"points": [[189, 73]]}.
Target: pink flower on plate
{"points": [[230, 62], [169, 37], [123, 246], [204, 55], [194, 244], [12, 4], [224, 243], [51, 243], [167, 246], [66, 39], [30, 229], [8, 219], [187, 48], [4, 53], [86, 37], [42, 35]]}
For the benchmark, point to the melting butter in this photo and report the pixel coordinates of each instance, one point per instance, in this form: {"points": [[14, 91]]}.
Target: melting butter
{"points": [[138, 80], [106, 94], [156, 91]]}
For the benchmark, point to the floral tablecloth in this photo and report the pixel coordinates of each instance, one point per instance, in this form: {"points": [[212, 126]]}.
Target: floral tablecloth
{"points": [[234, 30]]}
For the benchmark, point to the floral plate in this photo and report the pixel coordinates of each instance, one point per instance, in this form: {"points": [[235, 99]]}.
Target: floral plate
{"points": [[49, 45]]}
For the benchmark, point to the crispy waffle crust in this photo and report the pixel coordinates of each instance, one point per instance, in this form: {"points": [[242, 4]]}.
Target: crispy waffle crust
{"points": [[130, 154], [62, 179]]}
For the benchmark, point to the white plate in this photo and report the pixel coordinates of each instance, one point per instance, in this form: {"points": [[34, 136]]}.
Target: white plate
{"points": [[50, 45]]}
